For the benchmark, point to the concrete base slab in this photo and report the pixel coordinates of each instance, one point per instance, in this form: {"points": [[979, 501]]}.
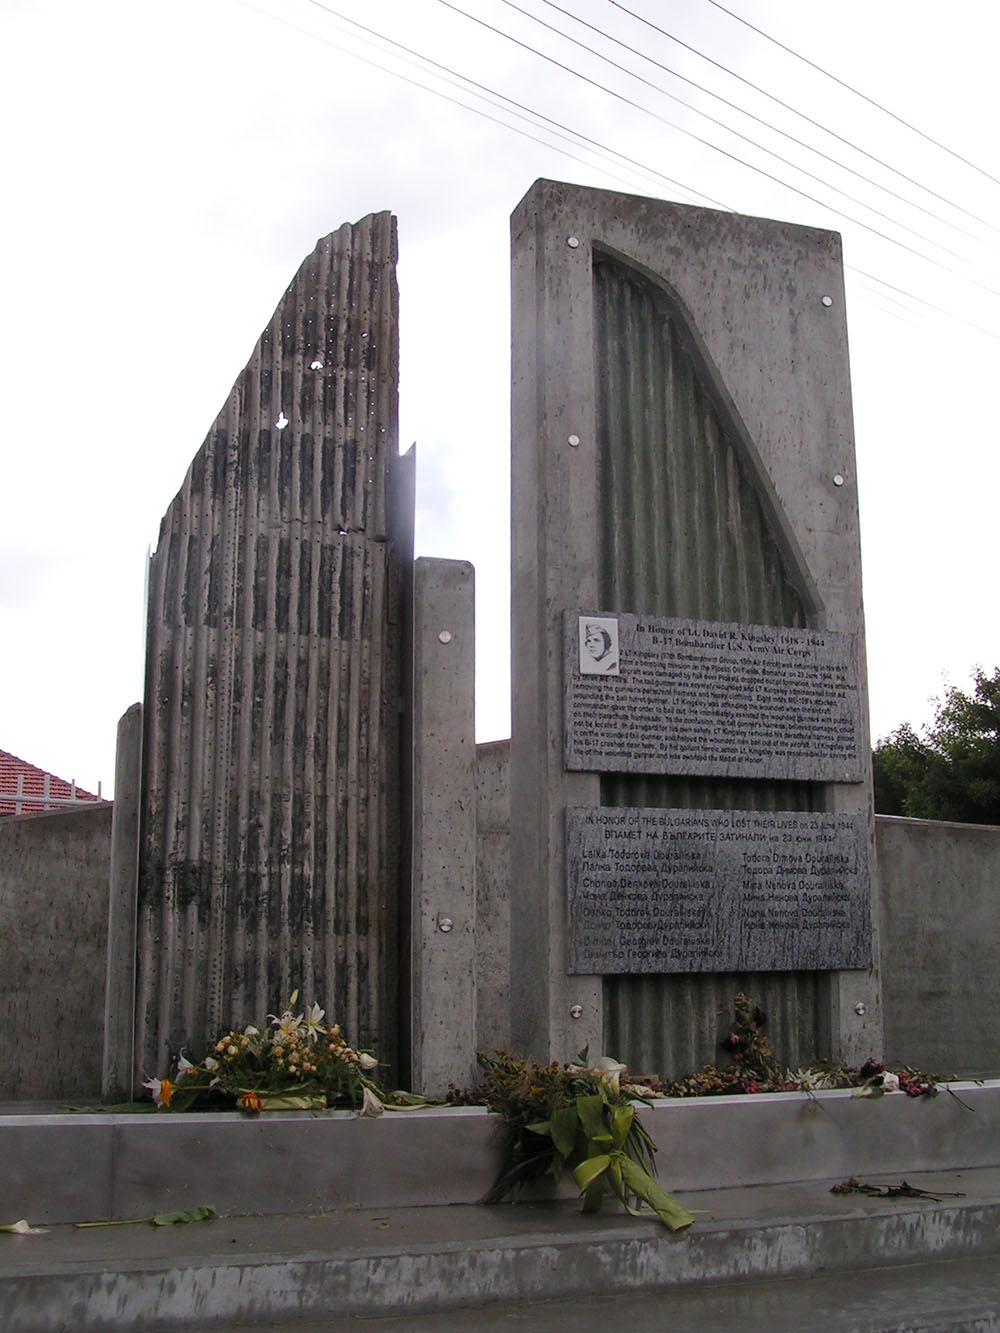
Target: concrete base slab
{"points": [[408, 1261], [71, 1168]]}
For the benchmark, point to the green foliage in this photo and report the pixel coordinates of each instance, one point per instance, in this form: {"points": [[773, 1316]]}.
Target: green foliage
{"points": [[578, 1117], [953, 771]]}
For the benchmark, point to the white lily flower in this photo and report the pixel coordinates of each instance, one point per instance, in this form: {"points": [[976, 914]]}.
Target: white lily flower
{"points": [[367, 1062], [890, 1081], [22, 1228], [251, 1031], [288, 1024], [183, 1064], [605, 1068], [314, 1022], [371, 1106], [211, 1064]]}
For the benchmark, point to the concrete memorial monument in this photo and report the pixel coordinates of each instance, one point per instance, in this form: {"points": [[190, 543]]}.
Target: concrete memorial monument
{"points": [[272, 766], [691, 803]]}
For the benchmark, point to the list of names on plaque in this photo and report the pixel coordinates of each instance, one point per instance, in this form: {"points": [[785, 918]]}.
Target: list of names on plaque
{"points": [[709, 698], [652, 890]]}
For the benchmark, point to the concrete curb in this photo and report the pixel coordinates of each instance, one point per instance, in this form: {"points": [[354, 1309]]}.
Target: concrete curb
{"points": [[261, 1269], [70, 1168]]}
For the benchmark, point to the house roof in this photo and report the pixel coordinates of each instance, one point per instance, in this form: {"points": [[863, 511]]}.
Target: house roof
{"points": [[26, 789]]}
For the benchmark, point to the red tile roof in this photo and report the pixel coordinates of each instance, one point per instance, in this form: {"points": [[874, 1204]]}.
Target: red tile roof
{"points": [[25, 789]]}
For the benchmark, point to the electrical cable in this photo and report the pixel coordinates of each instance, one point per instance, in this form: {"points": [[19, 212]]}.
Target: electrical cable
{"points": [[826, 130], [891, 240], [760, 120], [484, 91], [856, 91], [820, 180], [530, 112], [593, 145]]}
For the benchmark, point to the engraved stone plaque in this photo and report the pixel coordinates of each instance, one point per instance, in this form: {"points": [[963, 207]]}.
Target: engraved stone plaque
{"points": [[652, 890], [704, 697]]}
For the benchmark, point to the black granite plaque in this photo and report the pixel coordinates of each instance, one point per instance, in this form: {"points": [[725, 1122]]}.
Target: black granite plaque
{"points": [[701, 697], [716, 890]]}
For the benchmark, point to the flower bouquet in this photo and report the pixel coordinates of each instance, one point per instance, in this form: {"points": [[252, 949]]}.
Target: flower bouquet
{"points": [[294, 1063], [582, 1117]]}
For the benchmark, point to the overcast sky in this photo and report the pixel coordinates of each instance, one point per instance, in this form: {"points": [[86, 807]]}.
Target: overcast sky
{"points": [[167, 167]]}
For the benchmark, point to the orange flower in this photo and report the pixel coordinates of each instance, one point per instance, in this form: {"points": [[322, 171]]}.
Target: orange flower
{"points": [[161, 1088], [250, 1102]]}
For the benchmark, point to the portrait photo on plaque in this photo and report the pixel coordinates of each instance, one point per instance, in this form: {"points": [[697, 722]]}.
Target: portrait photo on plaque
{"points": [[599, 646]]}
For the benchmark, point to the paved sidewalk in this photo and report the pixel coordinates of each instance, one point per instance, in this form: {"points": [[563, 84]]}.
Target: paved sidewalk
{"points": [[428, 1267]]}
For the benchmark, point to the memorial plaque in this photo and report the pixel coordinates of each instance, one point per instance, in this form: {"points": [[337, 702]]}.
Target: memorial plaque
{"points": [[650, 694], [652, 890]]}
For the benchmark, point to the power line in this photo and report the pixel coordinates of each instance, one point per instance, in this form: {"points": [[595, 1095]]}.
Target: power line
{"points": [[777, 100], [857, 93], [592, 145], [720, 123], [484, 91], [776, 129], [707, 143], [649, 171]]}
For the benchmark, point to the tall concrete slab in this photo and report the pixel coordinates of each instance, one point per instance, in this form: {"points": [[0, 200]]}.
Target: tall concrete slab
{"points": [[443, 905], [271, 751], [682, 447], [119, 1004]]}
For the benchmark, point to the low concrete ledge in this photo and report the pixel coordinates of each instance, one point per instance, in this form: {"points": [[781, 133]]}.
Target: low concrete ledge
{"points": [[715, 1142], [65, 1168], [279, 1271]]}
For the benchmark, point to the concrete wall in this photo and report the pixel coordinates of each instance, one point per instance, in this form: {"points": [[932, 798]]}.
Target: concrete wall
{"points": [[940, 886], [940, 932], [54, 875]]}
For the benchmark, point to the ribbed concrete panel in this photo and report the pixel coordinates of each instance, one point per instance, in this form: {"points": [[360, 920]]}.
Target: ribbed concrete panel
{"points": [[685, 530], [270, 828]]}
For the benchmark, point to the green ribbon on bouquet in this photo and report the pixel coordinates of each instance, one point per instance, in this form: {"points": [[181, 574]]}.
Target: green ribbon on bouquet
{"points": [[608, 1168]]}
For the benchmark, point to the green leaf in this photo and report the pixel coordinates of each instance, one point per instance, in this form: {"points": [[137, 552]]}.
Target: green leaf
{"points": [[543, 1127], [587, 1172], [593, 1195], [563, 1123], [200, 1213], [621, 1123], [668, 1210], [591, 1112], [279, 1101]]}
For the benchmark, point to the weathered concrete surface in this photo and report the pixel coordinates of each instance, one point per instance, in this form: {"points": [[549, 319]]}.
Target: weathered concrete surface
{"points": [[285, 1270], [272, 739], [763, 305], [53, 941], [948, 1295], [443, 893], [117, 1076], [116, 1166], [941, 944], [493, 896]]}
